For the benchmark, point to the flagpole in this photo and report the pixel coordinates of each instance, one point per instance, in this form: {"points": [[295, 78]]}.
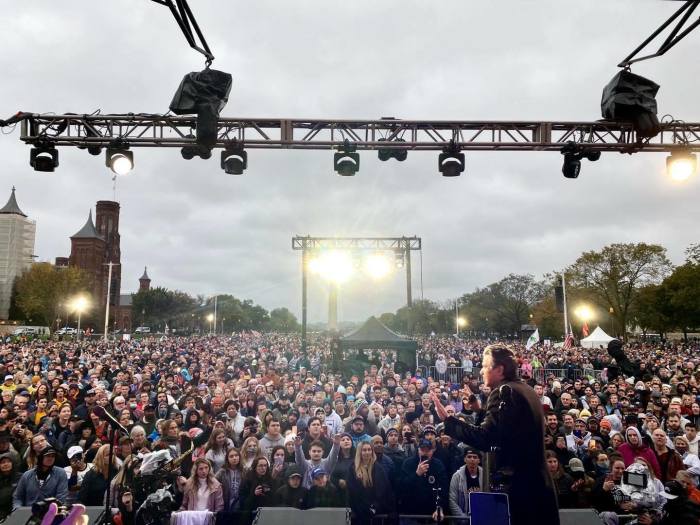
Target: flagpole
{"points": [[566, 316]]}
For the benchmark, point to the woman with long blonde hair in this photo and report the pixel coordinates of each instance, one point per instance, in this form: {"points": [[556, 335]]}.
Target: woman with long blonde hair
{"points": [[94, 487], [202, 491], [249, 452], [369, 490]]}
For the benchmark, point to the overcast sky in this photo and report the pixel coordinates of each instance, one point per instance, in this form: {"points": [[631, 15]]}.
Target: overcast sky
{"points": [[202, 231]]}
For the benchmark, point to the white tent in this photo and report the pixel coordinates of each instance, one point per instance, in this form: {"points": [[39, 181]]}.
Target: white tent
{"points": [[597, 339]]}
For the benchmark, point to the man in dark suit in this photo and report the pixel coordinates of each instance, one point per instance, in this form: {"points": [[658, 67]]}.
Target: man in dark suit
{"points": [[514, 425]]}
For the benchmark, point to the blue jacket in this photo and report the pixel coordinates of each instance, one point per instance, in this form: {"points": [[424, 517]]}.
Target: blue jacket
{"points": [[28, 490]]}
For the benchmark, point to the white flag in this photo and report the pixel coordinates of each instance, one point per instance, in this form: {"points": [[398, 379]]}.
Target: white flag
{"points": [[533, 339]]}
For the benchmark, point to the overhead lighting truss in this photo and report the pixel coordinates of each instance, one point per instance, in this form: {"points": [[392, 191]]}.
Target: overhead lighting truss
{"points": [[158, 131]]}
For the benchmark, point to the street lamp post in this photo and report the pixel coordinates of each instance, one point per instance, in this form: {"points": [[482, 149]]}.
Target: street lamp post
{"points": [[210, 318], [611, 311], [79, 305]]}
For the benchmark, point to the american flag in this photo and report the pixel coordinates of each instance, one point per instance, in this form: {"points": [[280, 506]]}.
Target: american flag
{"points": [[569, 341]]}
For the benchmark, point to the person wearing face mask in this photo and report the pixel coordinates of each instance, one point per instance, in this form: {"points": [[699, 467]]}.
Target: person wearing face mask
{"points": [[148, 419]]}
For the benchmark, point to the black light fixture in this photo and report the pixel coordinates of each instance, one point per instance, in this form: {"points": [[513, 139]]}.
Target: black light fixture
{"points": [[632, 98], [573, 153], [387, 153], [681, 165], [451, 160], [44, 157], [346, 161], [234, 159], [118, 158]]}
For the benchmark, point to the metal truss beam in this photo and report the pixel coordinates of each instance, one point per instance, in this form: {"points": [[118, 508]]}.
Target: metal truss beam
{"points": [[318, 134], [356, 243]]}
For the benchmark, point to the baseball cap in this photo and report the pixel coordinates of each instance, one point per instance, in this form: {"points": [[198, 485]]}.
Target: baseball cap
{"points": [[358, 418], [576, 465], [9, 377], [74, 451], [292, 470], [317, 472], [425, 443], [392, 430]]}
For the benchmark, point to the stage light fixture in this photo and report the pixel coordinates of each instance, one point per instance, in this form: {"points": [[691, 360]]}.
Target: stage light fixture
{"points": [[681, 165], [387, 153], [573, 153], [346, 161], [234, 159], [118, 158], [334, 266], [451, 160], [44, 157], [399, 259]]}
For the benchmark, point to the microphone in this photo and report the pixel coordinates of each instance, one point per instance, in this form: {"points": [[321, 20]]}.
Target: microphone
{"points": [[102, 413]]}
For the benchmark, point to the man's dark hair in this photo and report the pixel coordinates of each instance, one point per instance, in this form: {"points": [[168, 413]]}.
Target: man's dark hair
{"points": [[503, 356]]}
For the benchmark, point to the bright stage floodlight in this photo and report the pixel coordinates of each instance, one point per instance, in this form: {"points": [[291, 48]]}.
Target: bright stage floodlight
{"points": [[584, 313], [377, 266], [347, 161], [681, 165], [44, 158], [119, 159], [334, 266], [234, 159], [451, 160]]}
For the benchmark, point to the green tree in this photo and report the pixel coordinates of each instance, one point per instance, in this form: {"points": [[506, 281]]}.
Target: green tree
{"points": [[44, 292], [613, 276], [652, 309], [282, 320], [159, 306], [682, 290]]}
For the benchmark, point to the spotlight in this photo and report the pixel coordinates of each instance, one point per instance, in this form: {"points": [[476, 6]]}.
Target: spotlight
{"points": [[388, 153], [573, 154], [681, 165], [118, 158], [347, 162], [44, 157], [451, 160], [378, 266], [234, 159], [399, 259], [629, 97]]}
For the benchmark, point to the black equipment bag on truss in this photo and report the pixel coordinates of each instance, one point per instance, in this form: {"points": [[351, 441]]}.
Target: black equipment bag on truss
{"points": [[204, 93], [629, 97]]}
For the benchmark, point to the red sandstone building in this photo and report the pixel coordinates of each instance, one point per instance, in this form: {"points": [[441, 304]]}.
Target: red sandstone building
{"points": [[93, 248]]}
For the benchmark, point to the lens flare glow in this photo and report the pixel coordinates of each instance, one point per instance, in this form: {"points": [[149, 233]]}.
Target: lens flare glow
{"points": [[584, 313], [333, 266], [377, 266], [121, 164]]}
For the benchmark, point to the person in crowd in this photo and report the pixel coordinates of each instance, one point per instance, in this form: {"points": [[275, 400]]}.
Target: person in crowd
{"points": [[272, 438], [316, 459], [635, 447], [216, 448], [670, 462], [686, 479], [314, 433], [231, 477], [9, 478], [202, 491], [563, 481], [322, 492], [691, 462], [250, 451], [76, 470], [258, 488], [467, 479], [422, 476], [292, 493], [94, 486], [368, 485], [43, 481]]}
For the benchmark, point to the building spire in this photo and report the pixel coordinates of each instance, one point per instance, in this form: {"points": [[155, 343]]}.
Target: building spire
{"points": [[88, 231], [12, 207], [145, 276]]}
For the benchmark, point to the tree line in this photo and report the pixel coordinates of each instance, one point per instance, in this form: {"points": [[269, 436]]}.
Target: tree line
{"points": [[625, 286]]}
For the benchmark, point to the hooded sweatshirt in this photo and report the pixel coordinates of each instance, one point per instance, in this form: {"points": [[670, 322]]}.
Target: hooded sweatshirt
{"points": [[642, 450]]}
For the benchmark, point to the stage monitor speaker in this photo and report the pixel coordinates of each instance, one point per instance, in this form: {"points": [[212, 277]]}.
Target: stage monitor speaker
{"points": [[288, 516], [579, 517], [22, 515]]}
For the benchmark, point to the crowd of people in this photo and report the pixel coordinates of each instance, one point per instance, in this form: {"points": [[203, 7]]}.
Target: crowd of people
{"points": [[255, 422]]}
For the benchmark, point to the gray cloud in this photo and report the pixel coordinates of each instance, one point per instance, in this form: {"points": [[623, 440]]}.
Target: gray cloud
{"points": [[201, 231]]}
